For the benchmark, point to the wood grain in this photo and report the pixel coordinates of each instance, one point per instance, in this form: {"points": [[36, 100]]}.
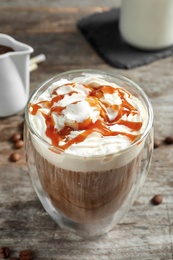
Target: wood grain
{"points": [[147, 231]]}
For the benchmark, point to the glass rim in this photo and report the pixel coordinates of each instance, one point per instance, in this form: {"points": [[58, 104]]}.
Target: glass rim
{"points": [[99, 72]]}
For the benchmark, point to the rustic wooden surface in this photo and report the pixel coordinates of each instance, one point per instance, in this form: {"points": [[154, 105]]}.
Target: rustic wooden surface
{"points": [[146, 232]]}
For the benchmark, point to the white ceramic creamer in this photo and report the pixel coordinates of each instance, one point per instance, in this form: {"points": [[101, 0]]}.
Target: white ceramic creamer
{"points": [[14, 76], [147, 24]]}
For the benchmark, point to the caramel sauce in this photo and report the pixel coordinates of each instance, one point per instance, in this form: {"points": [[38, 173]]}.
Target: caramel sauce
{"points": [[101, 125], [35, 108]]}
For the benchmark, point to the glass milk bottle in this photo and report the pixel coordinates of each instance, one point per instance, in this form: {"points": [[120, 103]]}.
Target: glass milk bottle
{"points": [[147, 24]]}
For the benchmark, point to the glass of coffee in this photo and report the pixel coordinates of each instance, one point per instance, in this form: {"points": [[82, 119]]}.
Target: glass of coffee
{"points": [[89, 142]]}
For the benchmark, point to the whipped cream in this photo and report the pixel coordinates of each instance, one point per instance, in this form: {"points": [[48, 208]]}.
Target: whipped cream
{"points": [[86, 117]]}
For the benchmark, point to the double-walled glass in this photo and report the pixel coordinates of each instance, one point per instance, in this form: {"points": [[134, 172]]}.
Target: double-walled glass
{"points": [[88, 195]]}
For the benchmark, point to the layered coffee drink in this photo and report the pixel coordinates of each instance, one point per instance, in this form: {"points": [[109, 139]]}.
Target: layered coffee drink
{"points": [[87, 147]]}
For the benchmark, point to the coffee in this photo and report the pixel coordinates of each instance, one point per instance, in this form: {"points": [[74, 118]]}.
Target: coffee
{"points": [[80, 194], [85, 151], [87, 196], [5, 49]]}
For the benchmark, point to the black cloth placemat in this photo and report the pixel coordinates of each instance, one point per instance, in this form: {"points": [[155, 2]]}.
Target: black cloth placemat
{"points": [[102, 32]]}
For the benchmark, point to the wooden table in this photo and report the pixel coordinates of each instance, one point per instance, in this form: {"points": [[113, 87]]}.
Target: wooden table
{"points": [[146, 232]]}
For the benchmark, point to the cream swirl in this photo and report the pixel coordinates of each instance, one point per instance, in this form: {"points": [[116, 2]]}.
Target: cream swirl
{"points": [[88, 113]]}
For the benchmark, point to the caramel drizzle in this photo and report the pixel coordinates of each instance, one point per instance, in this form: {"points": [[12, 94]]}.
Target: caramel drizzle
{"points": [[100, 126]]}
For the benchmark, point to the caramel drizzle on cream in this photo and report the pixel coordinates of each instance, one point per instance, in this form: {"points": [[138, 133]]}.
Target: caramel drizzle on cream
{"points": [[100, 125]]}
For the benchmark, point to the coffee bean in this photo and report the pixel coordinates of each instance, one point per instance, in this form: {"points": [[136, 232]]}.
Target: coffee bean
{"points": [[14, 157], [4, 252], [16, 136], [18, 144], [156, 144], [157, 199], [168, 140], [25, 255]]}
